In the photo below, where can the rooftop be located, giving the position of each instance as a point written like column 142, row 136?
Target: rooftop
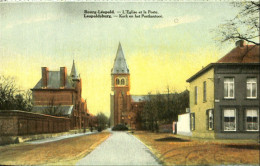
column 244, row 54
column 54, row 81
column 241, row 54
column 120, row 65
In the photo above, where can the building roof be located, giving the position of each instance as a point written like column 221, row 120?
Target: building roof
column 244, row 54
column 54, row 81
column 120, row 65
column 74, row 73
column 64, row 110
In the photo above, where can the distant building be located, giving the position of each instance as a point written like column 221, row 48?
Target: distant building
column 224, row 96
column 59, row 94
column 125, row 109
column 137, row 106
column 120, row 100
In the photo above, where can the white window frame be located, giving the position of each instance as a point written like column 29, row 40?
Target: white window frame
column 229, row 122
column 228, row 87
column 257, row 119
column 210, row 114
column 251, row 88
column 192, row 121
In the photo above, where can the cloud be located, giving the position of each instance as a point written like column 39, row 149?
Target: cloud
column 31, row 20
column 174, row 21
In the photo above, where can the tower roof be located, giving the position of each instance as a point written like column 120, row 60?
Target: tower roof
column 120, row 66
column 74, row 73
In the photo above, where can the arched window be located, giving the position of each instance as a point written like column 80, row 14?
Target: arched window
column 117, row 81
column 122, row 81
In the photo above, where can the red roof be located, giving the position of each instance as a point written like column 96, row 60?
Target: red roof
column 244, row 54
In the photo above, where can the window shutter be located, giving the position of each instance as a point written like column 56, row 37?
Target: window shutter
column 243, row 114
column 207, row 119
column 222, row 120
column 194, row 121
column 213, row 119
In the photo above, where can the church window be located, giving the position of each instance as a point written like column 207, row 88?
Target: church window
column 123, row 81
column 117, row 81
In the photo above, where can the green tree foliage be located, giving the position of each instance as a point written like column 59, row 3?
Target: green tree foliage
column 245, row 26
column 102, row 121
column 11, row 98
column 163, row 109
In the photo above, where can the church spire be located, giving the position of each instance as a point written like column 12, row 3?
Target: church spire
column 73, row 72
column 120, row 65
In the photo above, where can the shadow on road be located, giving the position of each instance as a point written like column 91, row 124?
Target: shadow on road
column 171, row 139
column 256, row 147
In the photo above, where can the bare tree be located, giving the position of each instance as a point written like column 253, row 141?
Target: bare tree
column 12, row 98
column 245, row 26
column 53, row 109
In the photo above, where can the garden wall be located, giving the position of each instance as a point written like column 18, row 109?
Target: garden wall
column 15, row 122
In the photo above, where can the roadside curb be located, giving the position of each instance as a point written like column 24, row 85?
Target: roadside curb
column 83, row 153
column 5, row 140
column 150, row 150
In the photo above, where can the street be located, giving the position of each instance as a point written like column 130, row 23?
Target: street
column 121, row 148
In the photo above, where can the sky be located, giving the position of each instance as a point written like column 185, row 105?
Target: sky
column 160, row 52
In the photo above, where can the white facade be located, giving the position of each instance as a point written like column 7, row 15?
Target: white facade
column 183, row 124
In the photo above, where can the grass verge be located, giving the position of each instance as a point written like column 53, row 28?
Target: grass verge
column 63, row 152
column 171, row 150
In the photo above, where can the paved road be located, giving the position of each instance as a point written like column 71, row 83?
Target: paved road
column 120, row 148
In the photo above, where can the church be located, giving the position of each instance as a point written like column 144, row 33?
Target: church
column 124, row 107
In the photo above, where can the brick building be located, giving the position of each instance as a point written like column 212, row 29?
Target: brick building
column 124, row 108
column 59, row 94
column 120, row 99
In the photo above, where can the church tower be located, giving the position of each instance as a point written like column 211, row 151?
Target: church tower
column 120, row 91
column 77, row 83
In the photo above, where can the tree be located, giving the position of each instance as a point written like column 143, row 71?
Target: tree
column 11, row 98
column 55, row 110
column 245, row 26
column 102, row 121
column 163, row 109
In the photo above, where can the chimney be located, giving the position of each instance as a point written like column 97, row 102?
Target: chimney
column 45, row 77
column 63, row 76
column 240, row 43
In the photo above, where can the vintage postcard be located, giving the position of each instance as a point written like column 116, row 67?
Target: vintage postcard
column 117, row 82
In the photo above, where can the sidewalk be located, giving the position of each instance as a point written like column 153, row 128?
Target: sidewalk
column 59, row 138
